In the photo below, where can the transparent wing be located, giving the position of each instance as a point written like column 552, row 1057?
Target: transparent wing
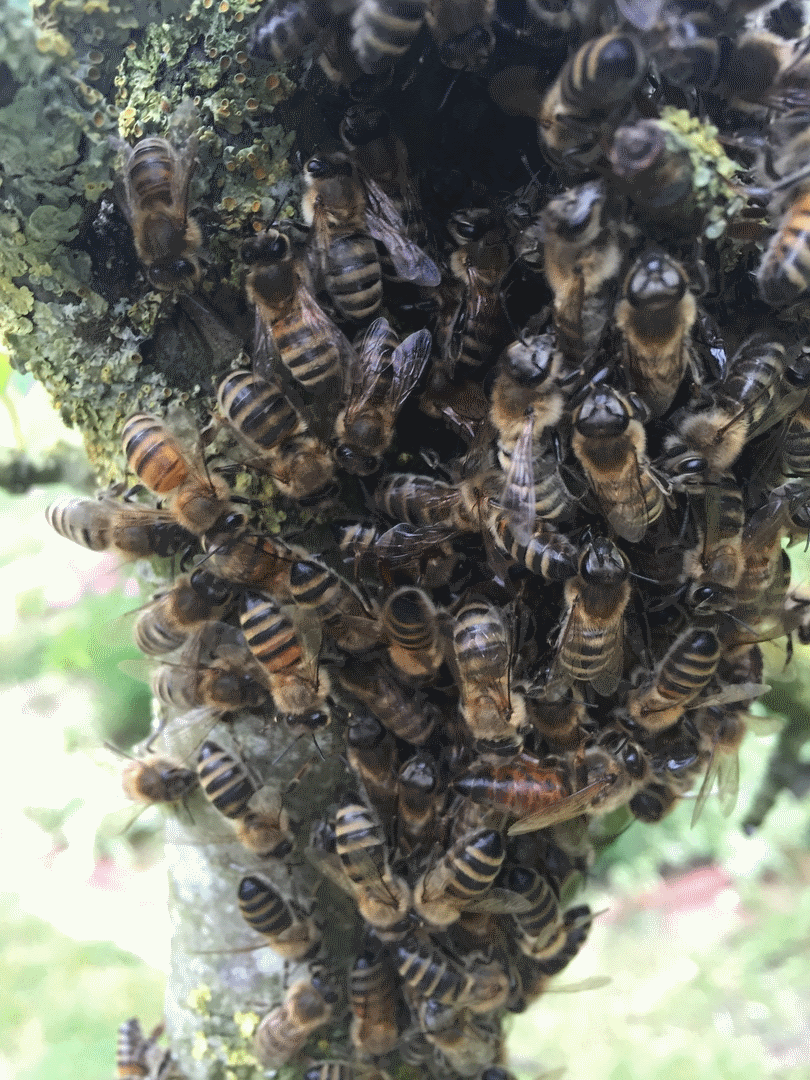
column 385, row 224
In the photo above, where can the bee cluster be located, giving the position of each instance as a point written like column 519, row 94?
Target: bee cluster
column 555, row 613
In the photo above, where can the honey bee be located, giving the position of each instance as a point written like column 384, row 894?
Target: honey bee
column 613, row 757
column 610, row 444
column 270, row 426
column 290, row 933
column 467, row 1044
column 381, row 160
column 334, row 205
column 722, row 729
column 463, row 33
column 107, row 524
column 139, row 1055
column 284, row 1031
column 475, row 327
column 461, row 879
column 225, row 780
column 200, row 502
column 685, row 669
column 215, row 673
column 536, row 973
column 657, row 176
column 372, row 756
column 796, row 443
column 422, row 501
column 384, row 30
column 481, row 647
column 288, row 658
column 156, row 779
column 258, row 562
column 588, row 98
column 529, row 377
column 289, row 322
column 655, row 316
column 175, row 613
column 540, row 929
column 590, row 644
column 287, row 31
column 582, row 259
column 374, row 1002
column 675, row 760
column 228, row 786
column 407, row 714
column 156, row 175
column 430, row 975
column 334, row 604
column 715, row 564
column 527, row 790
column 418, row 783
column 362, row 870
column 378, row 383
column 424, row 554
column 558, row 714
column 411, row 625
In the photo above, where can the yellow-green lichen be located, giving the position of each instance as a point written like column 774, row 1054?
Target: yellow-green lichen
column 199, row 1000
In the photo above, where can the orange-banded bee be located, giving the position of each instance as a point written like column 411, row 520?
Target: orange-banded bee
column 411, row 624
column 334, row 604
column 655, row 316
column 156, row 779
column 418, row 802
column 526, row 789
column 334, row 204
column 474, row 326
column 174, row 613
column 783, row 275
column 610, row 444
column 362, row 870
column 378, row 383
column 656, row 174
column 200, row 501
column 372, row 756
column 268, row 424
column 423, row 554
column 582, row 261
column 407, row 714
column 290, row 933
column 481, row 648
column 156, row 175
column 288, row 657
column 374, row 1003
column 590, row 645
column 284, row 1031
column 228, row 786
column 289, row 322
column 384, row 30
column 461, row 879
column 139, row 1055
column 588, row 97
column 685, row 669
column 257, row 562
column 462, row 31
column 107, row 524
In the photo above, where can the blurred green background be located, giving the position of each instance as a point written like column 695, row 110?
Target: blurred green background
column 704, row 932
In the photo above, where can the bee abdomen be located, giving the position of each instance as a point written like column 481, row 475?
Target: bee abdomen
column 224, row 781
column 84, row 521
column 309, row 359
column 263, row 908
column 354, row 276
column 258, row 409
column 384, row 30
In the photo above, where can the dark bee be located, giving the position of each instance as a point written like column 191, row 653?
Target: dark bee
column 404, row 712
column 462, row 31
column 139, row 1055
column 588, row 97
column 686, row 668
column 156, row 175
column 378, row 384
column 418, row 785
column 373, row 1000
column 384, row 30
column 333, row 604
column 460, row 878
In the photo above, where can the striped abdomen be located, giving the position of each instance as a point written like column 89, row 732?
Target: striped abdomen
column 784, row 273
column 353, row 275
column 153, row 453
column 384, row 30
column 224, row 780
column 258, row 410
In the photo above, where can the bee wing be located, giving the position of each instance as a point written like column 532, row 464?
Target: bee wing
column 328, row 864
column 627, row 513
column 706, row 787
column 385, row 224
column 518, row 495
column 728, row 782
column 311, row 635
column 409, row 362
column 185, row 164
column 563, row 810
column 266, row 357
column 734, row 693
column 594, row 982
column 607, row 679
column 368, row 364
column 500, row 902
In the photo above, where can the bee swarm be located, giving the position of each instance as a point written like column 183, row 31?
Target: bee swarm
column 529, row 388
